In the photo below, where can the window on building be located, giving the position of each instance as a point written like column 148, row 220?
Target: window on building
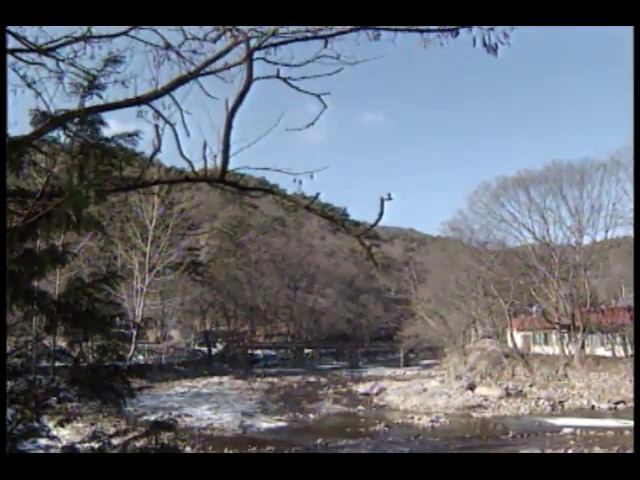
column 608, row 340
column 594, row 341
column 541, row 339
column 563, row 338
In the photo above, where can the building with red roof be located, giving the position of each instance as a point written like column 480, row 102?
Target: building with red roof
column 609, row 332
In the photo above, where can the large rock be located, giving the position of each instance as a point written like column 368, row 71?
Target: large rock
column 616, row 405
column 372, row 390
column 490, row 391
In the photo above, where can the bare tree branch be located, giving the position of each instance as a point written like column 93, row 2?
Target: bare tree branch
column 232, row 111
column 556, row 223
column 94, row 70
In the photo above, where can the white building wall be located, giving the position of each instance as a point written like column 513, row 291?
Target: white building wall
column 555, row 348
column 608, row 351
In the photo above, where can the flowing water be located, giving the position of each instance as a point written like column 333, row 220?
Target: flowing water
column 351, row 432
column 218, row 415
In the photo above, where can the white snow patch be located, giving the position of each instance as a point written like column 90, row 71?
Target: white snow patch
column 388, row 371
column 214, row 351
column 426, row 363
column 328, row 408
column 220, row 402
column 67, row 435
column 371, row 389
column 577, row 422
column 39, row 445
column 262, row 422
column 264, row 353
column 332, row 365
column 283, row 371
column 11, row 414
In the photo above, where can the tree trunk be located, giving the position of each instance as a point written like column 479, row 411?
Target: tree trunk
column 578, row 352
column 405, row 361
column 207, row 341
column 512, row 338
column 134, row 345
column 89, row 350
column 237, row 356
column 34, row 345
column 54, row 334
column 613, row 340
column 163, row 355
column 54, row 339
column 54, row 344
column 354, row 361
column 563, row 347
column 627, row 345
column 243, row 358
column 34, row 327
column 298, row 357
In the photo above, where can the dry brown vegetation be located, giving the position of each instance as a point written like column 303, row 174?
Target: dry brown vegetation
column 308, row 281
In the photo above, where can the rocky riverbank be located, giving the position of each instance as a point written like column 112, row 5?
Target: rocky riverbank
column 210, row 412
column 368, row 409
column 490, row 386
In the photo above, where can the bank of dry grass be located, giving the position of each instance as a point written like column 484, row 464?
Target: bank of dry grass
column 486, row 382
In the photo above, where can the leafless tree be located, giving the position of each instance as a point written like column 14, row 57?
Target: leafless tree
column 170, row 309
column 441, row 310
column 294, row 271
column 68, row 74
column 488, row 289
column 202, row 314
column 234, row 291
column 150, row 247
column 551, row 218
column 623, row 162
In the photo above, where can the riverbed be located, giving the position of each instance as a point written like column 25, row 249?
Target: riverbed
column 326, row 409
column 320, row 411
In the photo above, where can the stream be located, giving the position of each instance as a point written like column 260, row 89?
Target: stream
column 306, row 415
column 355, row 434
column 373, row 432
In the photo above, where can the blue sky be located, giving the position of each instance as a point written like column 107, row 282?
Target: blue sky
column 428, row 125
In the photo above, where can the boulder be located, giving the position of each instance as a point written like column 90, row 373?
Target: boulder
column 616, row 405
column 71, row 448
column 490, row 391
column 514, row 391
column 470, row 386
column 372, row 390
column 436, row 420
column 163, row 425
